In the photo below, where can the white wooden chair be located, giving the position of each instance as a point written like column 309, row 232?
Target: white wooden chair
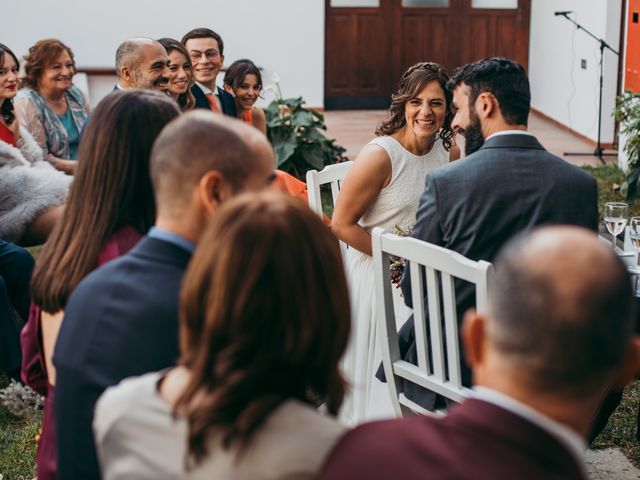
column 438, row 353
column 331, row 174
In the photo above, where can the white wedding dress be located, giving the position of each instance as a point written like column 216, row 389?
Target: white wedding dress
column 395, row 208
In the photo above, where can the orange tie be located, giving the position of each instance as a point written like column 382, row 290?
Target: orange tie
column 213, row 102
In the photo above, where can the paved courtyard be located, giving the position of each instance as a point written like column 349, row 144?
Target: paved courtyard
column 354, row 128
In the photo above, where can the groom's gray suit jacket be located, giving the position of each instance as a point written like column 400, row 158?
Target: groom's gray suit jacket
column 473, row 206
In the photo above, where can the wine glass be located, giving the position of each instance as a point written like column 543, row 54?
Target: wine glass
column 634, row 232
column 615, row 218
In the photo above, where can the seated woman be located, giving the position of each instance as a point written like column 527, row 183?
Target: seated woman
column 383, row 189
column 264, row 315
column 244, row 81
column 50, row 106
column 110, row 207
column 179, row 86
column 32, row 191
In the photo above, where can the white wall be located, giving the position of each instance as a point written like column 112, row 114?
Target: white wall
column 283, row 36
column 559, row 87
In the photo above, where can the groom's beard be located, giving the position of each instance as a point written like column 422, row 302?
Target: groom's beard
column 473, row 138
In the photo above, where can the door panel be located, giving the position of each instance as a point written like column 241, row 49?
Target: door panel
column 368, row 49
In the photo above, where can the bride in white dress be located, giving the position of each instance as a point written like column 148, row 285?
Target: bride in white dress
column 383, row 189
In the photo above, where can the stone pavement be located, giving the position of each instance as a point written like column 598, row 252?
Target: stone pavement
column 610, row 464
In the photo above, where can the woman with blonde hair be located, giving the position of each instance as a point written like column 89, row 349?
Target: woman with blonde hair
column 264, row 315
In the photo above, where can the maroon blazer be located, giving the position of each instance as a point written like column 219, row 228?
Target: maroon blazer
column 477, row 440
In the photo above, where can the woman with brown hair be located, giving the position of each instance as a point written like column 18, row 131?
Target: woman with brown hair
column 50, row 106
column 181, row 81
column 383, row 189
column 110, row 207
column 264, row 315
column 243, row 80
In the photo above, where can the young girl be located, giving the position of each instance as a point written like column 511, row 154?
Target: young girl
column 244, row 81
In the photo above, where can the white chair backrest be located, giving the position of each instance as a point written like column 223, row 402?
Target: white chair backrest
column 331, row 174
column 438, row 348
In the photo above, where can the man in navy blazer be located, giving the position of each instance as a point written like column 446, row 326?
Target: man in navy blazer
column 206, row 50
column 122, row 319
column 557, row 332
column 508, row 183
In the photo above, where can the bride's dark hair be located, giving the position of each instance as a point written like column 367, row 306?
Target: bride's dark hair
column 411, row 84
column 264, row 318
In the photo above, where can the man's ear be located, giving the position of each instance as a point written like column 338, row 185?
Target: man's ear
column 486, row 105
column 125, row 73
column 629, row 369
column 221, row 60
column 474, row 337
column 213, row 190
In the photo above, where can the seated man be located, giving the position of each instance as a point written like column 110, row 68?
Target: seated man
column 16, row 265
column 122, row 319
column 142, row 63
column 557, row 332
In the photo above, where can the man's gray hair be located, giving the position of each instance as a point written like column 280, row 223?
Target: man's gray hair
column 128, row 53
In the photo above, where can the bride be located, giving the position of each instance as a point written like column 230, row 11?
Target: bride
column 383, row 189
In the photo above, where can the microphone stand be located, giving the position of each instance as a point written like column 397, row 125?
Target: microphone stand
column 599, row 151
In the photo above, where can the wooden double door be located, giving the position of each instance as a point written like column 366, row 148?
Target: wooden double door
column 367, row 48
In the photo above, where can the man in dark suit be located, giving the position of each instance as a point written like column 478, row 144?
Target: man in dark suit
column 508, row 183
column 558, row 330
column 206, row 49
column 122, row 319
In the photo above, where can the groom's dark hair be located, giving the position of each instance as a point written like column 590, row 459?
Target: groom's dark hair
column 503, row 78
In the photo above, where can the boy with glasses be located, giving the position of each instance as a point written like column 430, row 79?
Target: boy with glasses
column 206, row 48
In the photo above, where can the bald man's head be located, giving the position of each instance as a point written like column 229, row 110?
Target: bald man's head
column 200, row 142
column 560, row 308
column 142, row 63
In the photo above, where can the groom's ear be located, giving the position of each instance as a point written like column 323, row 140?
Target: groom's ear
column 486, row 105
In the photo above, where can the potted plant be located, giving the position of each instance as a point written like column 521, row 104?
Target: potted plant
column 627, row 113
column 296, row 135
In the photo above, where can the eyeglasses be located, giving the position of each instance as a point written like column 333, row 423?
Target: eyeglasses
column 209, row 54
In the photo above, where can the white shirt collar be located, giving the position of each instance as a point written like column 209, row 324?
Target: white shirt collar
column 573, row 442
column 508, row 132
column 207, row 90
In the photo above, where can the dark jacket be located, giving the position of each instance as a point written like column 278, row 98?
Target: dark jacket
column 475, row 205
column 121, row 321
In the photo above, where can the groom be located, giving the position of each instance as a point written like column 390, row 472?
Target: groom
column 507, row 184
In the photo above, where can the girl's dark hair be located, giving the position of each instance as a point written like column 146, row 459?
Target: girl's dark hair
column 238, row 70
column 111, row 189
column 412, row 82
column 6, row 105
column 186, row 100
column 42, row 55
column 265, row 317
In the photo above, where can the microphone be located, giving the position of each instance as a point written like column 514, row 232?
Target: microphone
column 564, row 12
